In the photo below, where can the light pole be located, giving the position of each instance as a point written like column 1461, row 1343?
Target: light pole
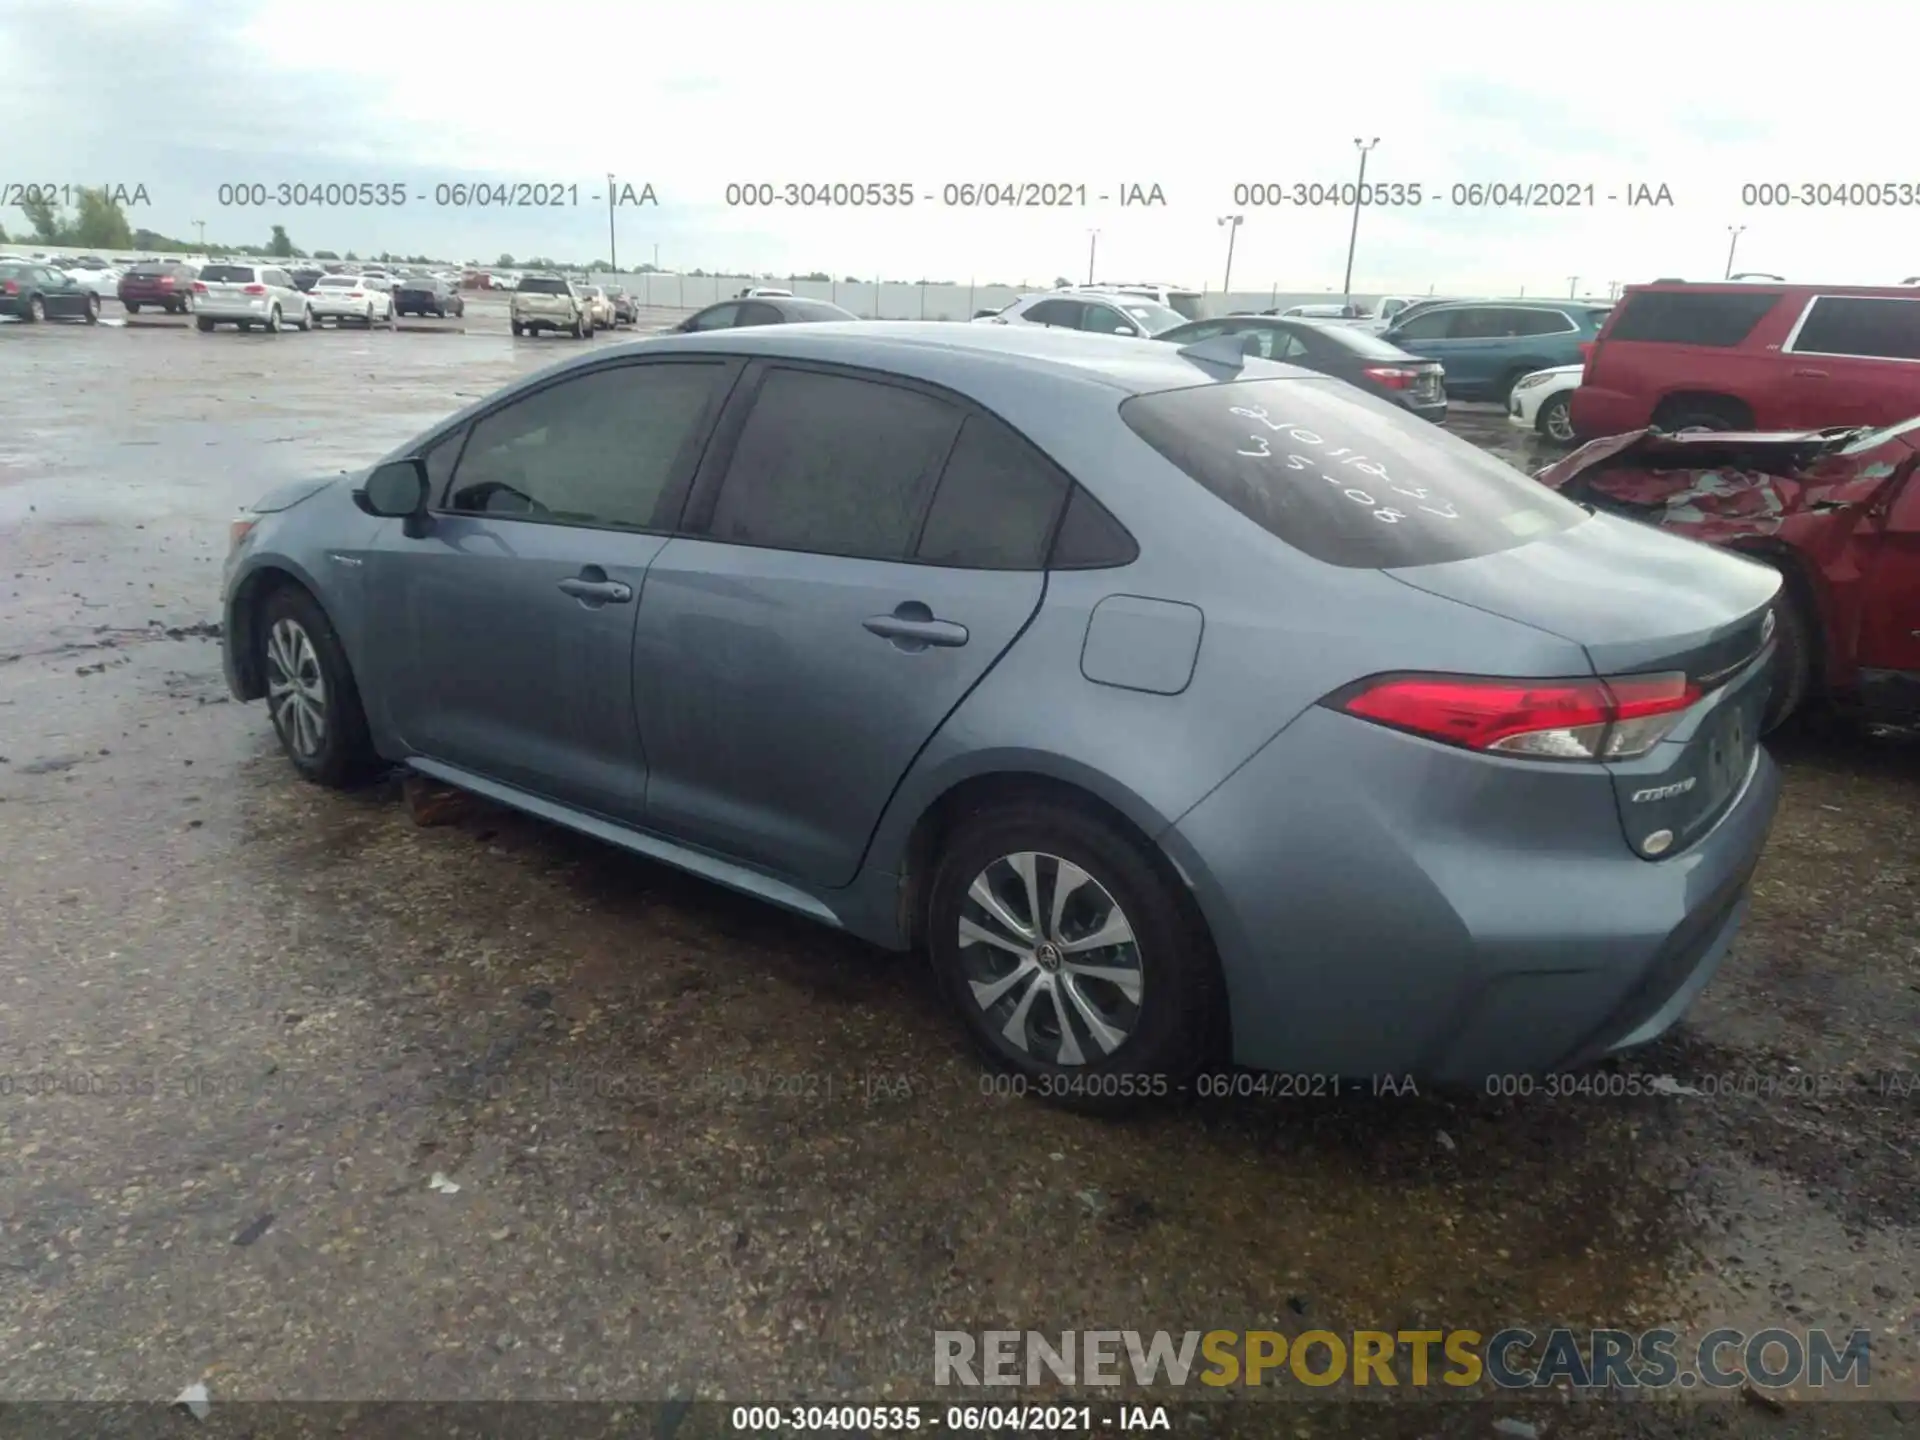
column 1732, row 245
column 1093, row 245
column 1353, row 236
column 613, row 247
column 1573, row 286
column 201, row 226
column 1232, row 222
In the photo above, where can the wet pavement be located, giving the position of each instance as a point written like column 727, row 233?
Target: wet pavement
column 705, row 1149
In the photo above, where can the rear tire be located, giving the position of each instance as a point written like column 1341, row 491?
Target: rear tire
column 1698, row 415
column 132, row 306
column 518, row 328
column 93, row 310
column 1154, row 999
column 1511, row 379
column 273, row 321
column 307, row 675
column 203, row 325
column 36, row 309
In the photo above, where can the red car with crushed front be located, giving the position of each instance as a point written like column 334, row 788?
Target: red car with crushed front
column 1836, row 511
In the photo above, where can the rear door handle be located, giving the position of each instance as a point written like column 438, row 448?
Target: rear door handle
column 1811, row 374
column 591, row 587
column 912, row 626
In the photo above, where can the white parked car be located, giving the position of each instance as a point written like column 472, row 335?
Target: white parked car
column 1102, row 313
column 99, row 279
column 1188, row 302
column 767, row 290
column 350, row 300
column 248, row 295
column 1540, row 401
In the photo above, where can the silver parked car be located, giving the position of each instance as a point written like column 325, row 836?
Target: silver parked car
column 1177, row 702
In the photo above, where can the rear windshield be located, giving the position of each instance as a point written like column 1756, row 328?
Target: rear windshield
column 817, row 310
column 1363, row 343
column 1152, row 316
column 151, row 270
column 8, row 268
column 1343, row 479
column 418, row 282
column 228, row 274
column 541, row 285
column 341, row 282
column 1674, row 317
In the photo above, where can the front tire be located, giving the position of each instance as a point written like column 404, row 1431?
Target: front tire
column 93, row 310
column 1555, row 420
column 36, row 309
column 1793, row 641
column 518, row 328
column 273, row 321
column 1073, row 960
column 311, row 695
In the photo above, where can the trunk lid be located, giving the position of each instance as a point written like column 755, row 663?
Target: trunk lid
column 1639, row 602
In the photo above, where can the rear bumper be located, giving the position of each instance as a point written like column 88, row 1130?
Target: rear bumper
column 1385, row 905
column 255, row 309
column 1434, row 410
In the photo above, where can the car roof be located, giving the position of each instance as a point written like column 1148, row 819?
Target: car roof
column 1528, row 304
column 1746, row 287
column 946, row 353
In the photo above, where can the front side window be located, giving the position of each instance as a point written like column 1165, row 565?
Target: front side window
column 715, row 317
column 1055, row 312
column 834, row 465
column 596, row 449
column 1428, row 325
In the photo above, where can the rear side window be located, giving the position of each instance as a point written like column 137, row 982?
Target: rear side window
column 997, row 501
column 1342, row 481
column 1672, row 317
column 1090, row 538
column 1860, row 325
column 1538, row 322
column 833, row 465
column 228, row 274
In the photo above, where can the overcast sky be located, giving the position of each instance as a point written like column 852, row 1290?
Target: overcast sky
column 1701, row 97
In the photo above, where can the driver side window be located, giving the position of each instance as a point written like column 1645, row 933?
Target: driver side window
column 598, row 449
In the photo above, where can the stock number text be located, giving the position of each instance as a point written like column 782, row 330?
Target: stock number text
column 1862, row 194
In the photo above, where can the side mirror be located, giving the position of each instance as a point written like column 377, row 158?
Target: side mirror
column 397, row 491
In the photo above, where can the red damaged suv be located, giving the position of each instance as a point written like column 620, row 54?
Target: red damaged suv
column 1836, row 511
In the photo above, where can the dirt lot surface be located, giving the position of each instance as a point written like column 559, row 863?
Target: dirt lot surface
column 706, row 1150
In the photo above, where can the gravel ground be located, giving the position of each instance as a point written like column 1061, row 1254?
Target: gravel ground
column 707, row 1150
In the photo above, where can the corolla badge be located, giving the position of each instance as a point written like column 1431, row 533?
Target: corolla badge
column 1663, row 792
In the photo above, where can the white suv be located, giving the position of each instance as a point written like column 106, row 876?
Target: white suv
column 1187, row 302
column 246, row 296
column 1100, row 312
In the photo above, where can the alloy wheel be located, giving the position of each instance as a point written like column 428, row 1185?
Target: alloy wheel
column 1050, row 958
column 1559, row 421
column 296, row 690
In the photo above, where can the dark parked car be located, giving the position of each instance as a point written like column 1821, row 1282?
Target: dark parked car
column 163, row 284
column 762, row 310
column 32, row 291
column 427, row 295
column 1341, row 351
column 625, row 311
column 1167, row 707
column 1488, row 345
column 1836, row 512
column 306, row 277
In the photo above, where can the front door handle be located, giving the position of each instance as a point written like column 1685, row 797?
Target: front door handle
column 912, row 626
column 591, row 587
column 1811, row 374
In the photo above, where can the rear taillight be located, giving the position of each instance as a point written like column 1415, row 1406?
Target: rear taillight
column 199, row 287
column 237, row 531
column 1394, row 377
column 253, row 290
column 166, row 282
column 356, row 295
column 11, row 287
column 1615, row 719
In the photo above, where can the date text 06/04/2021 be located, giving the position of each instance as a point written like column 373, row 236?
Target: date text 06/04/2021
column 63, row 195
column 455, row 194
column 1457, row 195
